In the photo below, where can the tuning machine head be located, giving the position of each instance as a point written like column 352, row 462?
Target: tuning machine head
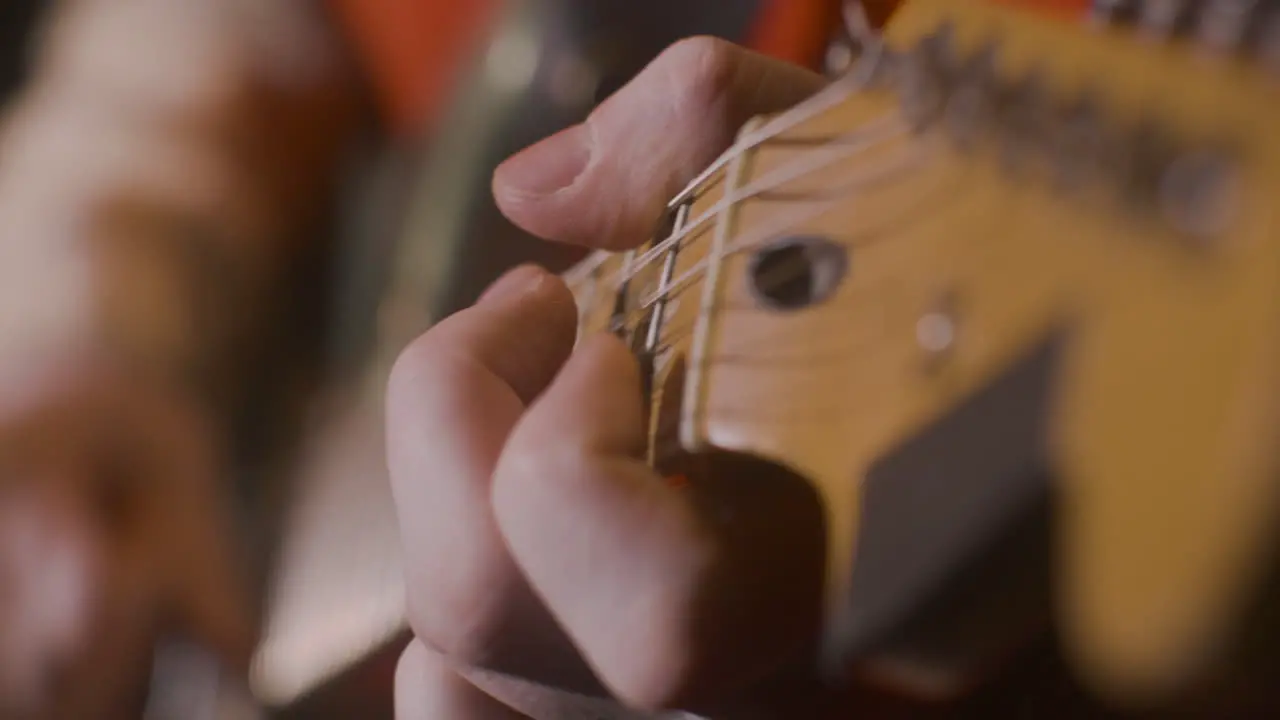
column 973, row 107
column 1112, row 12
column 925, row 77
column 1226, row 25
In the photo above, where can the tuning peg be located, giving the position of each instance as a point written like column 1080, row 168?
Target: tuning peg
column 1224, row 25
column 1025, row 116
column 1109, row 12
column 1083, row 145
column 972, row 107
column 924, row 76
column 1164, row 18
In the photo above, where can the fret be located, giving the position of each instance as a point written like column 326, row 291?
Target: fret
column 829, row 152
column 588, row 269
column 618, row 319
column 587, row 295
column 668, row 270
column 761, row 130
column 837, row 238
column 591, row 282
column 699, row 365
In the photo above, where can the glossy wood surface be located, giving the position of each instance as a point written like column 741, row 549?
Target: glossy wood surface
column 1161, row 427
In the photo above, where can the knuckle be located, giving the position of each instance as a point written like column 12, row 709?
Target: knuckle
column 455, row 621
column 411, row 365
column 408, row 394
column 412, row 665
column 531, row 458
column 416, row 682
column 417, row 359
column 703, row 68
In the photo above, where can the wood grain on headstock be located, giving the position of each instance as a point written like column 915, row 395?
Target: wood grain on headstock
column 1147, row 258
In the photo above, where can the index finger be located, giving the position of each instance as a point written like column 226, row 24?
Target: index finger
column 604, row 183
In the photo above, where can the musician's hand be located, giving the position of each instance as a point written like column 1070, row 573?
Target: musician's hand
column 111, row 529
column 604, row 183
column 537, row 544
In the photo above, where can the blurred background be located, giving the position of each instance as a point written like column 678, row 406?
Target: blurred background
column 437, row 93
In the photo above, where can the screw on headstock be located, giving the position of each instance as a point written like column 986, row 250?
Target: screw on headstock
column 937, row 331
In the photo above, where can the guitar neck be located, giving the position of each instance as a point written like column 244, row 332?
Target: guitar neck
column 1054, row 209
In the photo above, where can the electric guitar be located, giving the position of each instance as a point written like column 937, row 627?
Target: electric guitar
column 1007, row 294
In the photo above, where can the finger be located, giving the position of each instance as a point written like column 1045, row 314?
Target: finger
column 452, row 399
column 676, row 598
column 604, row 182
column 427, row 688
column 137, row 536
column 48, row 551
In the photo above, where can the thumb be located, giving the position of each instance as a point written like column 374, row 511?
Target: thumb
column 603, row 183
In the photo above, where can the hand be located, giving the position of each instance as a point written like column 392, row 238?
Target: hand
column 112, row 529
column 538, row 546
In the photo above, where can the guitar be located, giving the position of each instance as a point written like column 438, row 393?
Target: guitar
column 1007, row 294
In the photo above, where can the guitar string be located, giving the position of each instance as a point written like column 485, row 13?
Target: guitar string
column 865, row 138
column 860, row 76
column 826, row 411
column 890, row 228
column 807, row 165
column 917, row 157
column 866, row 237
column 844, row 87
column 886, row 318
column 859, row 140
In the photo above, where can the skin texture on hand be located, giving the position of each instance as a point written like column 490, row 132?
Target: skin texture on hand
column 538, row 545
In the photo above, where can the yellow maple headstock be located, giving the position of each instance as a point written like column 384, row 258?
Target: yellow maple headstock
column 1074, row 244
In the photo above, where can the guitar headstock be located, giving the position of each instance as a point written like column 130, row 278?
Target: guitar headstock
column 1016, row 260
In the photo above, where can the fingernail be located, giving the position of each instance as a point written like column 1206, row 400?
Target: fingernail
column 548, row 166
column 520, row 281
